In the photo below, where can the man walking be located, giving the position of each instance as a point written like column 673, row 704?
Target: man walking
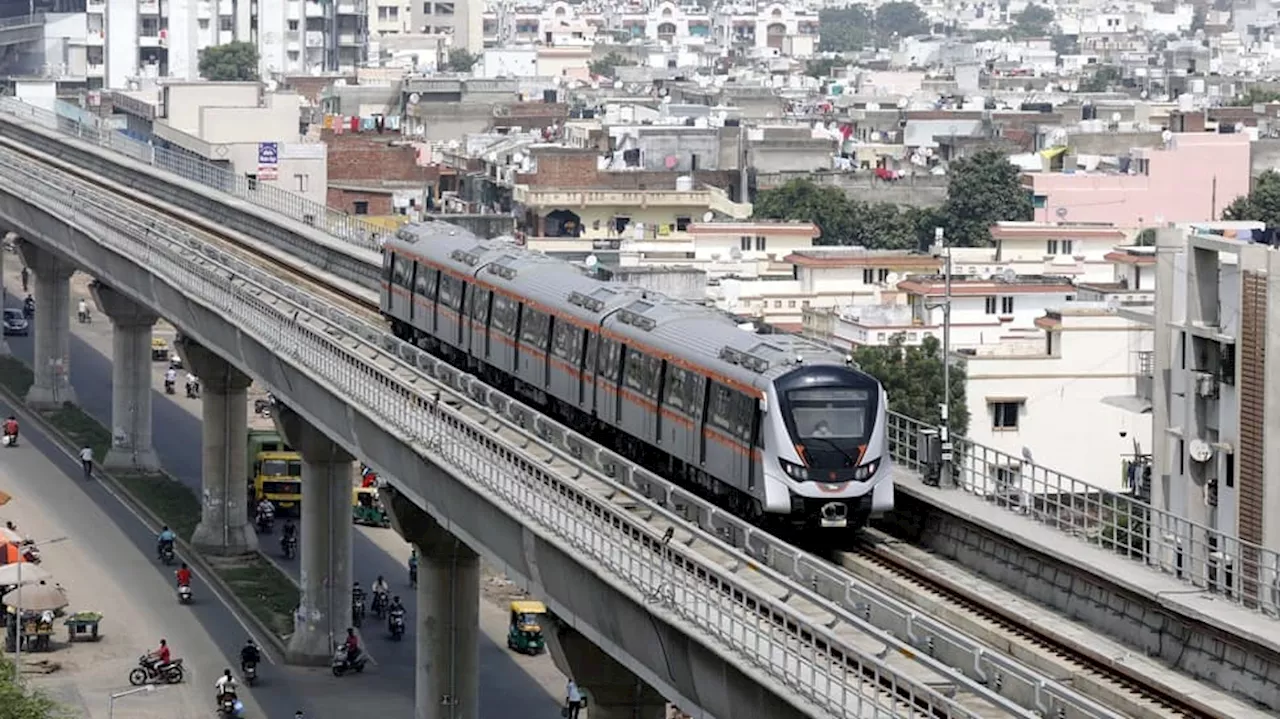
column 86, row 461
column 573, row 700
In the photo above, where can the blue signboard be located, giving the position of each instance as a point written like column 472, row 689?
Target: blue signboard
column 268, row 153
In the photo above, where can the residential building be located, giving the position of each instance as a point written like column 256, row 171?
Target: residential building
column 777, row 27
column 1217, row 447
column 1080, row 252
column 461, row 21
column 1191, row 178
column 234, row 124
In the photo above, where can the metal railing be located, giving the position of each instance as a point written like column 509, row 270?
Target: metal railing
column 201, row 171
column 808, row 659
column 856, row 602
column 1240, row 572
column 21, row 21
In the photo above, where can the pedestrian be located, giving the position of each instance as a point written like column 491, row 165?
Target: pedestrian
column 26, row 280
column 86, row 461
column 572, row 700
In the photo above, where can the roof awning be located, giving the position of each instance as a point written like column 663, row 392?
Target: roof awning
column 1052, row 152
column 1006, row 400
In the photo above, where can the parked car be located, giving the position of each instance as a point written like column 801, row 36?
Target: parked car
column 15, row 323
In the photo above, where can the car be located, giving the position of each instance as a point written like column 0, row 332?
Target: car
column 15, row 323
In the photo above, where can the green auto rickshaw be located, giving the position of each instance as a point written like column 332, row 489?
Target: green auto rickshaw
column 367, row 509
column 525, row 633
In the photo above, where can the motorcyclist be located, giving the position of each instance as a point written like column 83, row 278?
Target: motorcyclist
column 225, row 686
column 184, row 575
column 29, row 306
column 193, row 385
column 165, row 541
column 266, row 511
column 170, row 377
column 11, row 429
column 160, row 658
column 380, row 591
column 352, row 646
column 250, row 655
column 395, row 611
column 82, row 311
column 288, row 533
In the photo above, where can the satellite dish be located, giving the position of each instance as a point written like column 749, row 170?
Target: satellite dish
column 708, row 216
column 1061, row 212
column 1115, row 117
column 1009, row 274
column 1200, row 450
column 735, row 253
column 591, row 262
column 518, row 158
column 414, row 98
column 1166, row 137
column 892, row 278
column 1113, row 303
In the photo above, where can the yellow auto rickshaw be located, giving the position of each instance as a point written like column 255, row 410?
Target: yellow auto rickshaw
column 159, row 349
column 525, row 633
column 367, row 509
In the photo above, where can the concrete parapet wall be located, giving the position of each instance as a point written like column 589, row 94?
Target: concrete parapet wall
column 916, row 191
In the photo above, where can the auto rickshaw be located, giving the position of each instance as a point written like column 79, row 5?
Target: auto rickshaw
column 159, row 349
column 367, row 509
column 525, row 634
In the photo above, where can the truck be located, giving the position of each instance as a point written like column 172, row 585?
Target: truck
column 275, row 471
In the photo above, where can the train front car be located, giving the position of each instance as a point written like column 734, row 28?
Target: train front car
column 826, row 445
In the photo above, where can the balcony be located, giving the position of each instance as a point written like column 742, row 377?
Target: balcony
column 1144, row 380
column 94, row 38
column 149, row 7
column 346, row 39
column 226, row 8
column 315, row 9
column 95, row 7
column 151, row 38
column 315, row 39
column 96, row 69
column 350, row 8
column 528, row 197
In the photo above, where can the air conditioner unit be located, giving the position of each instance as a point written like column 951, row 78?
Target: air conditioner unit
column 1206, row 385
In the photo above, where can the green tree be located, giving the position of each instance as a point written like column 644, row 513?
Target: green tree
column 1102, row 79
column 900, row 19
column 982, row 190
column 840, row 219
column 235, row 61
column 1255, row 96
column 821, row 67
column 607, row 66
column 847, row 29
column 1065, row 44
column 913, row 378
column 1262, row 204
column 1033, row 21
column 19, row 703
column 460, row 60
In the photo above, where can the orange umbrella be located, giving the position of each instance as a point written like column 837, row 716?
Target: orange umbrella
column 10, row 552
column 4, row 499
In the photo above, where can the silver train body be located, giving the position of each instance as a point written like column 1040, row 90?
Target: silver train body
column 776, row 427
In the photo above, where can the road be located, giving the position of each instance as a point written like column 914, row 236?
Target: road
column 105, row 566
column 531, row 687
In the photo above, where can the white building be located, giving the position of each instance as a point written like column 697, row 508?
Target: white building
column 780, row 27
column 1079, row 252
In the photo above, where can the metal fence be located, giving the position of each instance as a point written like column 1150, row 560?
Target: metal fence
column 201, row 171
column 1244, row 573
column 729, row 613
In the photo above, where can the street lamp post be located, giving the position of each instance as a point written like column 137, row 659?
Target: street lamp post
column 111, row 705
column 17, row 611
column 940, row 235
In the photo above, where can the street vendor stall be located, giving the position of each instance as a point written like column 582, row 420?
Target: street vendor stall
column 33, row 607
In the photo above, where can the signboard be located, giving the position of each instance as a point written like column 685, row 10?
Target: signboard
column 268, row 160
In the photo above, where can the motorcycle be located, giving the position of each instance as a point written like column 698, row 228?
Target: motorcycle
column 357, row 611
column 265, row 522
column 11, row 438
column 230, row 706
column 168, row 386
column 379, row 604
column 250, row 673
column 193, row 390
column 148, row 672
column 30, row 553
column 84, row 317
column 166, row 553
column 395, row 624
column 341, row 666
column 289, row 547
column 184, row 594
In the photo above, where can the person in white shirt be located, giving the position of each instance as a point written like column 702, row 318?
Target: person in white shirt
column 86, row 461
column 170, row 377
column 573, row 699
column 82, row 311
column 225, row 685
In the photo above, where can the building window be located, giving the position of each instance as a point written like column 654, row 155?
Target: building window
column 302, row 183
column 682, row 224
column 204, row 23
column 804, row 303
column 226, row 23
column 990, row 307
column 791, row 303
column 882, row 275
column 1006, row 305
column 293, row 26
column 744, row 243
column 1058, row 247
column 777, row 304
column 388, row 13
column 760, row 243
column 426, row 8
column 1004, row 416
column 1039, row 202
column 868, row 276
column 361, row 207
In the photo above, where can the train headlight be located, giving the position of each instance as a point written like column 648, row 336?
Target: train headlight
column 795, row 471
column 866, row 471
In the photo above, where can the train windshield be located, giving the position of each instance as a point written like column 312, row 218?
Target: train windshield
column 835, row 414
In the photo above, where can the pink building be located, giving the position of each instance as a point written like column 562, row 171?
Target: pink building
column 1191, row 180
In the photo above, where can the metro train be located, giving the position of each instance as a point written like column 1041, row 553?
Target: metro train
column 780, row 430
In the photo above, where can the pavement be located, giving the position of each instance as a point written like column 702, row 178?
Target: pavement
column 102, row 565
column 531, row 687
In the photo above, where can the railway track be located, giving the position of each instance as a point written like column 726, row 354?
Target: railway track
column 1090, row 676
column 906, row 571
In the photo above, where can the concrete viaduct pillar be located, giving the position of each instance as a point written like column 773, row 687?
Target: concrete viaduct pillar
column 224, row 519
column 51, row 361
column 448, row 616
column 9, row 238
column 325, row 545
column 131, row 445
column 612, row 690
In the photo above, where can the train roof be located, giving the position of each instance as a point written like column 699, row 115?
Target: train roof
column 696, row 333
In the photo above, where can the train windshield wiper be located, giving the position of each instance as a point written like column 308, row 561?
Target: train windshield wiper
column 853, row 462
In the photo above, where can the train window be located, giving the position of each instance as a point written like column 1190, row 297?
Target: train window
column 674, row 394
column 695, row 387
column 504, row 315
column 450, row 287
column 402, row 271
column 566, row 342
column 590, row 360
column 641, row 373
column 534, row 327
column 387, row 258
column 479, row 304
column 732, row 411
column 422, row 281
column 610, row 358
